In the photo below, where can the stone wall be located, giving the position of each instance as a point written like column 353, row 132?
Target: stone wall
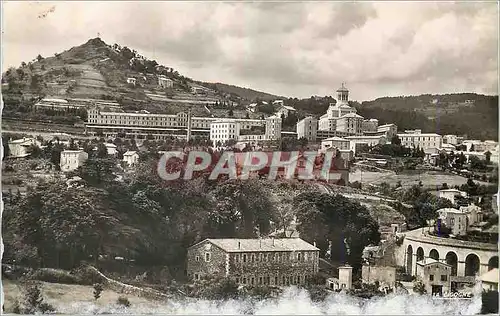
column 130, row 289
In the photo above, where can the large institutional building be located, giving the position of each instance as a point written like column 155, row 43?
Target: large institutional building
column 344, row 125
column 270, row 261
column 180, row 125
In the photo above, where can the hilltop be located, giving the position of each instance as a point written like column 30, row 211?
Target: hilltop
column 245, row 93
column 470, row 114
column 98, row 70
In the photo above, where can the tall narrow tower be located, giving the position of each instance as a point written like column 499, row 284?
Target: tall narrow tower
column 342, row 95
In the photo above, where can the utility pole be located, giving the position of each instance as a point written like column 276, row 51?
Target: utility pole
column 188, row 135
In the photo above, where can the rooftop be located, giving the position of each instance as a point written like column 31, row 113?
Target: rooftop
column 129, row 153
column 427, row 261
column 451, row 210
column 336, row 138
column 267, row 244
column 490, row 276
column 351, row 115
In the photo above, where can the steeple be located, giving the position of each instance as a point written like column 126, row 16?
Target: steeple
column 342, row 94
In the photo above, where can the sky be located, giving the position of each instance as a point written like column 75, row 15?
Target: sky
column 292, row 49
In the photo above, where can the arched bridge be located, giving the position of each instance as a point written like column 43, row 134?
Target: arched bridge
column 465, row 257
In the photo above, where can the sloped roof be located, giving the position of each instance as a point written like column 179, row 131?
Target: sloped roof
column 427, row 261
column 336, row 138
column 130, row 153
column 490, row 276
column 262, row 245
column 351, row 115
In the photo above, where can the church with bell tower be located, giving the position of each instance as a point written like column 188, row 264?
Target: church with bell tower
column 340, row 116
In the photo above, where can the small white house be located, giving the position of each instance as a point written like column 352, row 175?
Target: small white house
column 131, row 158
column 335, row 142
column 252, row 107
column 72, row 159
column 285, row 111
column 451, row 194
column 131, row 81
column 20, row 147
column 165, row 82
column 110, row 148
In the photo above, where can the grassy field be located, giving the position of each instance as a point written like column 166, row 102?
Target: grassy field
column 430, row 179
column 60, row 295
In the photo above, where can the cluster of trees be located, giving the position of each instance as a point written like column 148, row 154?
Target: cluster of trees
column 340, row 227
column 395, row 149
column 144, row 218
column 424, row 206
column 477, row 121
column 313, row 105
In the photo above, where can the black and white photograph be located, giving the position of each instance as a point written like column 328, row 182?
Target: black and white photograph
column 249, row 157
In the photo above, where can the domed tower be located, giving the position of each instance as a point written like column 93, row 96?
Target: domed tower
column 342, row 95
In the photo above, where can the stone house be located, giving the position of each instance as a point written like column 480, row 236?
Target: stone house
column 270, row 261
column 454, row 219
column 435, row 275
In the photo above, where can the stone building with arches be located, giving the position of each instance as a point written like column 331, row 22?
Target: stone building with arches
column 467, row 259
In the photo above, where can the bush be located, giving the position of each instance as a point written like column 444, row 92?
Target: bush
column 316, row 279
column 46, row 308
column 55, row 276
column 97, row 291
column 419, row 287
column 123, row 301
column 33, row 300
column 88, row 276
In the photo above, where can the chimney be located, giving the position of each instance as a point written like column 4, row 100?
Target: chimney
column 260, row 243
column 239, row 244
column 314, row 244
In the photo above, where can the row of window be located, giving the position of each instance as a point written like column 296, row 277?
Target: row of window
column 444, row 277
column 420, row 138
column 275, row 257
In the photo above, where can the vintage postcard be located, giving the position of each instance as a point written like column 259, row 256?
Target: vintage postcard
column 250, row 157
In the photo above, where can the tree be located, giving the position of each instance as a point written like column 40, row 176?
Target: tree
column 395, row 140
column 102, row 151
column 487, row 156
column 39, row 58
column 347, row 225
column 35, row 151
column 97, row 172
column 97, row 290
column 6, row 149
column 243, row 210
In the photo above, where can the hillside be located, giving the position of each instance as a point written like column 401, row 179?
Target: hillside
column 244, row 93
column 100, row 71
column 473, row 115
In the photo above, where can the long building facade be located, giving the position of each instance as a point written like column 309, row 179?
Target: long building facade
column 159, row 126
column 270, row 261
